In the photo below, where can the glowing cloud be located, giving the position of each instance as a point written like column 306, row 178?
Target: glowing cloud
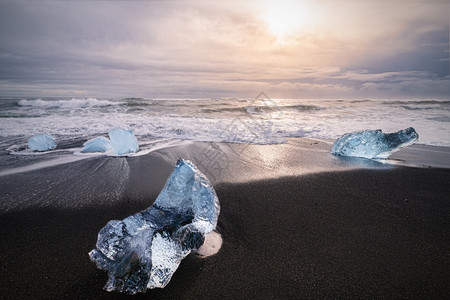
column 286, row 17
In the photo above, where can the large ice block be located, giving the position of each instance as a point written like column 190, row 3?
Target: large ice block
column 373, row 143
column 98, row 144
column 123, row 141
column 41, row 142
column 144, row 250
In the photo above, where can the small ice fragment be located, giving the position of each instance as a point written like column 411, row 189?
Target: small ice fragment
column 212, row 244
column 144, row 250
column 41, row 142
column 98, row 144
column 123, row 141
column 373, row 143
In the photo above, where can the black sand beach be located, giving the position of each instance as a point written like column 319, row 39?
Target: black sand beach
column 296, row 222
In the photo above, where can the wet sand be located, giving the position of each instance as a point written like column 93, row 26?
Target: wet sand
column 296, row 222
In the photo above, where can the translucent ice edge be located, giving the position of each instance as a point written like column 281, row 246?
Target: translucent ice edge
column 123, row 141
column 211, row 245
column 144, row 250
column 41, row 142
column 373, row 143
column 145, row 148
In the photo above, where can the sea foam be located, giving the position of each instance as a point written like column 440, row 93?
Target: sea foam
column 72, row 103
column 223, row 120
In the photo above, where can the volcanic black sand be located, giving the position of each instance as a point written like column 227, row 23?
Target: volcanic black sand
column 359, row 229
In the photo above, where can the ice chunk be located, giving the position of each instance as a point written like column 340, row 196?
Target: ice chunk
column 98, row 144
column 144, row 250
column 41, row 142
column 373, row 143
column 123, row 141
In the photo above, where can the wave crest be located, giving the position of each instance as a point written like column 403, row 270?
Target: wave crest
column 72, row 103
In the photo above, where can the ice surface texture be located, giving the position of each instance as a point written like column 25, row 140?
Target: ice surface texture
column 143, row 251
column 123, row 141
column 373, row 143
column 41, row 142
column 98, row 144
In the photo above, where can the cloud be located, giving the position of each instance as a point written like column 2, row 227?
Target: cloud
column 212, row 49
column 415, row 88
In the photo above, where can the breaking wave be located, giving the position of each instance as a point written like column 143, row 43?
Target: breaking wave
column 421, row 105
column 72, row 103
column 222, row 120
column 263, row 109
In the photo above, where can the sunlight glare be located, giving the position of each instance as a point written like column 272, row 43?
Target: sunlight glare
column 286, row 17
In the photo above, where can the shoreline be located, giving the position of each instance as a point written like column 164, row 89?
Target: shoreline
column 257, row 161
column 309, row 224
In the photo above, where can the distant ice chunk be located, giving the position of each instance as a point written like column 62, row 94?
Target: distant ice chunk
column 123, row 141
column 373, row 143
column 144, row 250
column 41, row 142
column 98, row 144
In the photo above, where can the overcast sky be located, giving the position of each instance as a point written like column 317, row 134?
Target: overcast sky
column 183, row 49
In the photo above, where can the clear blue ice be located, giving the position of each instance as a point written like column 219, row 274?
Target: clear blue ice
column 123, row 141
column 144, row 250
column 41, row 142
column 373, row 143
column 98, row 144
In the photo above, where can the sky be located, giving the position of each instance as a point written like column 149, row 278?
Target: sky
column 329, row 49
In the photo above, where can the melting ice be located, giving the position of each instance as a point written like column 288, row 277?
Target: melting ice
column 373, row 143
column 144, row 250
column 123, row 141
column 41, row 142
column 98, row 144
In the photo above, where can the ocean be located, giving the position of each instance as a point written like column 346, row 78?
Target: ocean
column 159, row 122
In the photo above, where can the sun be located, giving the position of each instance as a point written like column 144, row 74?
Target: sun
column 286, row 17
